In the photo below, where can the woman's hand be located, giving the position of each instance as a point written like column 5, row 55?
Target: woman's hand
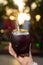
column 23, row 60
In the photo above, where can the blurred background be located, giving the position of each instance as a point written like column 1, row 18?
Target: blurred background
column 9, row 10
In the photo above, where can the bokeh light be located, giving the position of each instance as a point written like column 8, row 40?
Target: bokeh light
column 2, row 31
column 38, row 17
column 8, row 11
column 20, row 4
column 1, row 1
column 12, row 18
column 22, row 17
column 37, row 45
column 33, row 5
column 4, row 2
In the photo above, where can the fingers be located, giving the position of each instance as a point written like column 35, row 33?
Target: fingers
column 11, row 51
column 23, row 60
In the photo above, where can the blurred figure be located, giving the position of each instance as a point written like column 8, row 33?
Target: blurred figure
column 9, row 24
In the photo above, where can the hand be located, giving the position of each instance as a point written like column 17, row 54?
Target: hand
column 22, row 60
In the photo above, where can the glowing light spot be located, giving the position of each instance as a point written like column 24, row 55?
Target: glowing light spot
column 33, row 6
column 22, row 17
column 12, row 17
column 37, row 45
column 3, row 2
column 2, row 31
column 20, row 4
column 38, row 17
column 8, row 11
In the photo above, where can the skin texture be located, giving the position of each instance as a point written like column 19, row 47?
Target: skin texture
column 22, row 60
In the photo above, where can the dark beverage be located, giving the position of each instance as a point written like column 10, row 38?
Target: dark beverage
column 20, row 42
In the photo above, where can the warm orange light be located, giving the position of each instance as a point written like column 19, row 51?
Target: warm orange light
column 2, row 31
column 12, row 17
column 3, row 2
column 8, row 11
